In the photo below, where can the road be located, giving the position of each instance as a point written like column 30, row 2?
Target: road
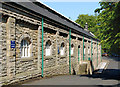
column 111, row 76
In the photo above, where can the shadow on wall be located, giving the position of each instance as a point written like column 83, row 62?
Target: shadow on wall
column 106, row 75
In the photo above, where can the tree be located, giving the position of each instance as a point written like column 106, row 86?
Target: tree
column 91, row 20
column 109, row 26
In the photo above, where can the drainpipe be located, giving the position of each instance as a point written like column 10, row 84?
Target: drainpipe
column 83, row 47
column 70, row 51
column 78, row 54
column 97, row 53
column 91, row 49
column 42, row 48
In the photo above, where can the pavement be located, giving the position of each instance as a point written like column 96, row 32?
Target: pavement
column 110, row 76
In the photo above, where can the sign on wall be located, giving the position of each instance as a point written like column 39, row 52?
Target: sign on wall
column 12, row 44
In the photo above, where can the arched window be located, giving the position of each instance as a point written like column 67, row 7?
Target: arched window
column 72, row 49
column 84, row 50
column 25, row 47
column 79, row 51
column 62, row 49
column 48, row 48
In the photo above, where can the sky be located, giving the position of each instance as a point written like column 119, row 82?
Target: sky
column 74, row 9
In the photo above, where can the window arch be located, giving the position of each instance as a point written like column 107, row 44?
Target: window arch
column 48, row 48
column 25, row 47
column 62, row 49
column 72, row 49
column 79, row 50
column 84, row 50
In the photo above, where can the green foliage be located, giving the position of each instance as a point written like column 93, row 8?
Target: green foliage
column 91, row 20
column 105, row 26
column 109, row 26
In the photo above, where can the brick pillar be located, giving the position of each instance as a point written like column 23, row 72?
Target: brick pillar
column 11, row 56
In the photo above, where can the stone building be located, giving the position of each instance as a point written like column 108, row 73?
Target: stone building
column 36, row 41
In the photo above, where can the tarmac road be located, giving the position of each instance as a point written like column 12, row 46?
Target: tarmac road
column 111, row 76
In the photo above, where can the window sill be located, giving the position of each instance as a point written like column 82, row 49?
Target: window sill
column 26, row 58
column 62, row 56
column 47, row 57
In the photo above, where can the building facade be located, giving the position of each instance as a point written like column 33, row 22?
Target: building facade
column 37, row 41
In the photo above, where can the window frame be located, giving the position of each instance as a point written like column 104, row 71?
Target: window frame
column 72, row 49
column 62, row 48
column 50, row 48
column 26, row 47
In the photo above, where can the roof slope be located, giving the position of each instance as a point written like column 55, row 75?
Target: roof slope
column 48, row 12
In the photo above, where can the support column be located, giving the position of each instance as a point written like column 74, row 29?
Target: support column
column 83, row 48
column 91, row 50
column 70, row 51
column 86, row 50
column 42, row 48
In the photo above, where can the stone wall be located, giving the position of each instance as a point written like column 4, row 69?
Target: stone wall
column 3, row 62
column 16, row 68
column 1, row 50
column 26, row 30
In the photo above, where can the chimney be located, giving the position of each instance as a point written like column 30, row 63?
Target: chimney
column 86, row 26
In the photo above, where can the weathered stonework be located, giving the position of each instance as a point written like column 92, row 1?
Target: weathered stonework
column 15, row 68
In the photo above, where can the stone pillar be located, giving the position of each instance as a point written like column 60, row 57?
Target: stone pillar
column 68, row 49
column 56, row 46
column 11, row 54
column 76, row 50
column 90, row 48
column 86, row 50
column 99, row 53
column 3, row 69
column 39, row 46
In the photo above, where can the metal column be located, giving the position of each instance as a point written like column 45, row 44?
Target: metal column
column 70, row 51
column 91, row 50
column 78, row 54
column 42, row 48
column 97, row 53
column 83, row 47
